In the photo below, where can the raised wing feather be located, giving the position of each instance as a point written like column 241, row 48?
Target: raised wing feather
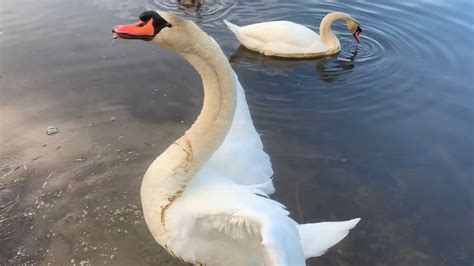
column 227, row 220
column 241, row 156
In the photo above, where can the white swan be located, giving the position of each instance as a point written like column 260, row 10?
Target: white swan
column 205, row 198
column 291, row 40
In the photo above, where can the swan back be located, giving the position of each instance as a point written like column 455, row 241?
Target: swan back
column 278, row 38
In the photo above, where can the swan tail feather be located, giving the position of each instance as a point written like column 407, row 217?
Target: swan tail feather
column 317, row 238
column 232, row 27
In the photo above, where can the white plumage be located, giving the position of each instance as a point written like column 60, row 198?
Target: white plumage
column 292, row 40
column 205, row 198
column 222, row 211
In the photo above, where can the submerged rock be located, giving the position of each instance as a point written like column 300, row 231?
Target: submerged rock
column 52, row 130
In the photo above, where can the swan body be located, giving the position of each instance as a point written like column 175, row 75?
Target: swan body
column 205, row 198
column 292, row 40
column 191, row 3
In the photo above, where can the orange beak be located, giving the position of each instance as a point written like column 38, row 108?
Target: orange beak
column 137, row 30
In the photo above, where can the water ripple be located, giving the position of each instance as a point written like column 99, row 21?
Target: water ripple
column 380, row 79
column 212, row 10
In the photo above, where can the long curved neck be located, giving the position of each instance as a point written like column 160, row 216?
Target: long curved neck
column 213, row 123
column 325, row 32
column 173, row 170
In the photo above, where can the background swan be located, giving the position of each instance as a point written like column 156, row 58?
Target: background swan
column 191, row 3
column 291, row 40
column 205, row 198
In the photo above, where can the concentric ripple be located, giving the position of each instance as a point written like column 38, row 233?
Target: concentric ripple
column 212, row 10
column 381, row 79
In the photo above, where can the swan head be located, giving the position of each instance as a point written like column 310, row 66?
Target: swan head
column 163, row 28
column 354, row 27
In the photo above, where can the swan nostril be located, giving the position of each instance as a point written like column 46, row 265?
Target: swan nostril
column 114, row 34
column 114, row 28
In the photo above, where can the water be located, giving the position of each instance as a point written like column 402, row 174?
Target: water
column 383, row 130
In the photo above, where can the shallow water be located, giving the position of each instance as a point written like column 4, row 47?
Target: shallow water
column 382, row 131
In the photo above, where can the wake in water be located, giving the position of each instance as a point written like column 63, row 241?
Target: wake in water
column 195, row 10
column 199, row 11
column 191, row 3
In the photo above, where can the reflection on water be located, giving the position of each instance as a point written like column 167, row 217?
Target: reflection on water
column 383, row 130
column 329, row 68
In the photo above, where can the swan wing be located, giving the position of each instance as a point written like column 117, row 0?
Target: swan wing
column 243, row 225
column 241, row 157
column 278, row 37
column 216, row 222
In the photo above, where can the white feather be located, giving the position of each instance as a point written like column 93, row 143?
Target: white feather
column 291, row 40
column 221, row 216
column 215, row 210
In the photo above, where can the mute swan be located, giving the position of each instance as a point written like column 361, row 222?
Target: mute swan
column 291, row 40
column 205, row 198
column 191, row 3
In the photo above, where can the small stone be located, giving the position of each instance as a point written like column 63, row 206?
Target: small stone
column 48, row 236
column 52, row 130
column 112, row 257
column 72, row 261
column 113, row 119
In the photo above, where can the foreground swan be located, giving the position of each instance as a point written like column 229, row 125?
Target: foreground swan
column 291, row 40
column 204, row 198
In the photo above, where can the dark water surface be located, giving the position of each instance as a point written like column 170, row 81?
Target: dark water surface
column 382, row 131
